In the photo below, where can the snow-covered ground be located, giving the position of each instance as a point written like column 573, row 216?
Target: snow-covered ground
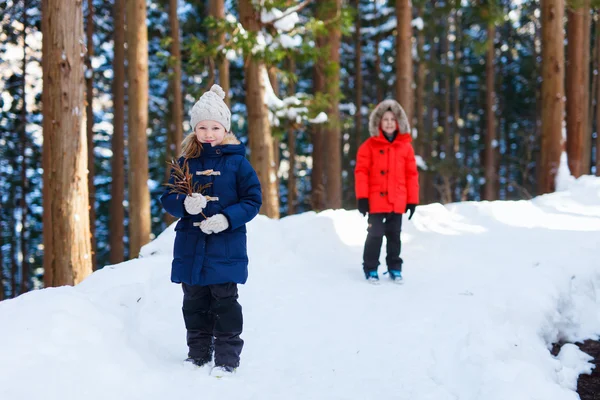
column 489, row 286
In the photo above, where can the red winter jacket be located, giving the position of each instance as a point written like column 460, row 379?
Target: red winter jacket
column 386, row 173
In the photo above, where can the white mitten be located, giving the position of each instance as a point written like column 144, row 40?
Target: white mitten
column 215, row 224
column 195, row 203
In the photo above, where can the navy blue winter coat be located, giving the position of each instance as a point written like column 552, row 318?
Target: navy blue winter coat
column 200, row 259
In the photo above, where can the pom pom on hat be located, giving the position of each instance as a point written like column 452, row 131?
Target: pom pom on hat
column 218, row 90
column 211, row 106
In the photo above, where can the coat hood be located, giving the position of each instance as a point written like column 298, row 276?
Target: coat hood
column 377, row 114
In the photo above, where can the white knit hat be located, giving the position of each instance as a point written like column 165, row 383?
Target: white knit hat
column 211, row 107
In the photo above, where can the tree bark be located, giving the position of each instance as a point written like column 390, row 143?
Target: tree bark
column 598, row 98
column 490, row 191
column 291, row 142
column 89, row 117
column 358, row 80
column 117, row 189
column 587, row 95
column 552, row 92
column 420, row 106
column 67, row 247
column 13, row 247
column 575, row 91
column 404, row 59
column 177, row 106
column 330, row 10
column 276, row 140
column 358, row 90
column 378, row 86
column 24, row 185
column 317, row 176
column 259, row 128
column 217, row 10
column 139, row 195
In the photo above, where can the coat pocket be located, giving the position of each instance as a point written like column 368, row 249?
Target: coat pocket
column 236, row 246
column 186, row 244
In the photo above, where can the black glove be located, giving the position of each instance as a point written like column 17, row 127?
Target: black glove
column 411, row 208
column 363, row 206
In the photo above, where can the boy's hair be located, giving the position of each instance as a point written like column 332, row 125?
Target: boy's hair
column 191, row 147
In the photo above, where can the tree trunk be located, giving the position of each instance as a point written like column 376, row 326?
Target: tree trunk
column 490, row 191
column 276, row 141
column 358, row 89
column 404, row 59
column 13, row 248
column 378, row 86
column 67, row 247
column 598, row 98
column 291, row 142
column 259, row 129
column 586, row 164
column 24, row 185
column 89, row 117
column 317, row 177
column 175, row 134
column 420, row 106
column 139, row 195
column 116, row 221
column 330, row 10
column 217, row 10
column 3, row 279
column 552, row 92
column 575, row 91
column 177, row 110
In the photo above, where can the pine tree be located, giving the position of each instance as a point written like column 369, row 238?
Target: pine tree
column 137, row 57
column 552, row 92
column 117, row 187
column 67, row 248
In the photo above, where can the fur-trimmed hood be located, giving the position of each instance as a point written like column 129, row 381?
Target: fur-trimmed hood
column 230, row 139
column 377, row 114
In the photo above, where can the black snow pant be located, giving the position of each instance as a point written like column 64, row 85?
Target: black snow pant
column 213, row 319
column 380, row 225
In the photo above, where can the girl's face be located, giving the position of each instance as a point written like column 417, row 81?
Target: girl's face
column 210, row 132
column 388, row 123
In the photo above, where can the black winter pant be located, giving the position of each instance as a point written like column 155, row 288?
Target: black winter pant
column 380, row 225
column 213, row 319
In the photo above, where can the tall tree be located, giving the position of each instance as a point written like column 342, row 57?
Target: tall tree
column 330, row 12
column 117, row 188
column 358, row 80
column 404, row 59
column 137, row 57
column 552, row 92
column 217, row 10
column 177, row 105
column 490, row 191
column 575, row 88
column 259, row 128
column 24, row 185
column 291, row 144
column 598, row 97
column 587, row 95
column 67, row 247
column 420, row 105
column 89, row 116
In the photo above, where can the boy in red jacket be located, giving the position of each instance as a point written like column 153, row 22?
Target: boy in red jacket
column 387, row 186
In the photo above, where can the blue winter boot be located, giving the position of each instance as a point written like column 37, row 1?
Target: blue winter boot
column 395, row 275
column 372, row 277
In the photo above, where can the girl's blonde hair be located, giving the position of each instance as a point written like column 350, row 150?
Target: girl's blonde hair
column 191, row 147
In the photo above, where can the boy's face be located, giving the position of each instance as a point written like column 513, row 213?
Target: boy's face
column 210, row 132
column 388, row 123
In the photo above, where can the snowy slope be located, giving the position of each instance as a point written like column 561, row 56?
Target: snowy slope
column 489, row 286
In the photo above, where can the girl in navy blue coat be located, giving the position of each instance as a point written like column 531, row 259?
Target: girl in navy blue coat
column 209, row 256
